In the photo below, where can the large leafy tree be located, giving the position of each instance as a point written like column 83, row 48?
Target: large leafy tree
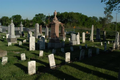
column 5, row 21
column 17, row 20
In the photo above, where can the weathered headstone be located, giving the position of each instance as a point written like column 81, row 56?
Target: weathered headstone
column 4, row 60
column 98, row 34
column 51, row 61
column 108, row 42
column 101, row 43
column 31, row 67
column 73, row 39
column 24, row 41
column 46, row 32
column 36, row 34
column 83, row 37
column 71, row 48
column 89, row 52
column 68, row 39
column 82, row 54
column 92, row 33
column 41, row 43
column 41, row 53
column 78, row 38
column 23, row 57
column 32, row 43
column 9, row 43
column 7, row 36
column 67, row 57
column 20, row 43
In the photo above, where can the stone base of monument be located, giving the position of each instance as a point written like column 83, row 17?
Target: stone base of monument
column 12, row 40
column 55, row 45
column 73, row 42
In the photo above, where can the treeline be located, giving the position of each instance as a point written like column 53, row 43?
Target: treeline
column 69, row 19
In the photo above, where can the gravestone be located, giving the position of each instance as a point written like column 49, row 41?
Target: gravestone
column 31, row 67
column 40, row 29
column 67, row 57
column 36, row 34
column 21, row 28
column 62, row 50
column 41, row 43
column 113, row 46
column 78, row 38
column 8, row 29
column 7, row 36
column 85, row 45
column 117, row 40
column 53, row 51
column 68, row 39
column 83, row 37
column 92, row 33
column 41, row 53
column 82, row 54
column 97, row 50
column 20, row 43
column 108, row 42
column 12, row 38
column 80, row 47
column 4, row 60
column 89, row 52
column 32, row 43
column 51, row 61
column 46, row 32
column 98, row 34
column 105, row 46
column 29, row 34
column 73, row 39
column 71, row 48
column 23, row 57
column 24, row 41
column 9, row 43
column 101, row 43
column 104, row 35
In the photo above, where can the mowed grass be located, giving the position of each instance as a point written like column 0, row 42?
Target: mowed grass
column 104, row 66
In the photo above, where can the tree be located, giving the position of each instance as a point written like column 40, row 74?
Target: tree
column 17, row 20
column 5, row 21
column 112, row 4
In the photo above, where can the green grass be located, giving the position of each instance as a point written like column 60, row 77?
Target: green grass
column 104, row 66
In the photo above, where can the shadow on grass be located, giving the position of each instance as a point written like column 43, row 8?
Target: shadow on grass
column 86, row 70
column 22, row 67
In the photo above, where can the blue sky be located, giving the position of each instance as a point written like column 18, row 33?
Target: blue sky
column 28, row 8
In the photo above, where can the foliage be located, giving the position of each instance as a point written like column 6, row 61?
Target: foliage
column 5, row 21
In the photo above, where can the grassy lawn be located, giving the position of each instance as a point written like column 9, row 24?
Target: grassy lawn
column 104, row 66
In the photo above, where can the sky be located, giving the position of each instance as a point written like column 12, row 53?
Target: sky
column 28, row 8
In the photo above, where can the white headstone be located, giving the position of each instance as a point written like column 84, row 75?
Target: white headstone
column 101, row 43
column 67, row 57
column 68, row 39
column 32, row 43
column 92, row 33
column 21, row 27
column 9, row 43
column 83, row 37
column 7, row 36
column 36, row 30
column 23, row 57
column 24, row 41
column 4, row 60
column 20, row 43
column 51, row 61
column 47, row 31
column 82, row 54
column 89, row 52
column 108, row 42
column 78, row 38
column 31, row 67
column 41, row 53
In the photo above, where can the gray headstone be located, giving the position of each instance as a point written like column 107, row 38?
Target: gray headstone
column 32, row 43
column 4, row 60
column 92, row 33
column 23, row 57
column 41, row 43
column 82, row 54
column 89, row 52
column 98, row 34
column 36, row 30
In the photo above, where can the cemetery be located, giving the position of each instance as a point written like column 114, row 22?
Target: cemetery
column 58, row 54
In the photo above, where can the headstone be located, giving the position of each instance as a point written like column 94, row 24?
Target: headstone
column 83, row 37
column 71, row 48
column 40, row 29
column 41, row 53
column 108, row 42
column 3, row 36
column 24, row 41
column 104, row 35
column 67, row 57
column 117, row 40
column 85, row 45
column 21, row 27
column 89, row 52
column 82, row 54
column 47, row 32
column 98, row 34
column 78, row 38
column 8, row 29
column 51, row 61
column 53, row 51
column 36, row 34
column 92, row 33
column 31, row 67
column 4, row 60
column 32, row 43
column 7, row 36
column 113, row 46
column 9, row 43
column 62, row 50
column 12, row 38
column 73, row 39
column 45, row 40
column 20, row 43
column 105, row 46
column 41, row 43
column 101, row 43
column 23, row 57
column 97, row 50
column 80, row 47
column 68, row 39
